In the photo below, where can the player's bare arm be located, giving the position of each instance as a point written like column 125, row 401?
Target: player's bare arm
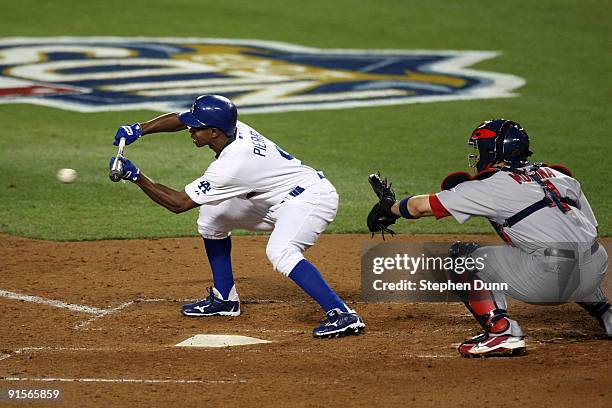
column 169, row 198
column 168, row 122
column 173, row 200
column 418, row 206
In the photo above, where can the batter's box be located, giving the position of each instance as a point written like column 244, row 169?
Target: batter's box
column 161, row 322
column 26, row 323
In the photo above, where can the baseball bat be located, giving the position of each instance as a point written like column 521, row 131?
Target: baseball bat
column 115, row 172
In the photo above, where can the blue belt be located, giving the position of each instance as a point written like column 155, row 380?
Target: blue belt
column 296, row 191
column 299, row 190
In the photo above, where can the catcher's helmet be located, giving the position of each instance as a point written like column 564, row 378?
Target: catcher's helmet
column 212, row 111
column 497, row 140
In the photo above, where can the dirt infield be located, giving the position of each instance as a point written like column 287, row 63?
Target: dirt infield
column 99, row 320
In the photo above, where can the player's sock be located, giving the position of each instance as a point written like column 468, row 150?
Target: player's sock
column 219, row 252
column 308, row 277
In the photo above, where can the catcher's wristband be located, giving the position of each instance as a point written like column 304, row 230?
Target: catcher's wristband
column 403, row 207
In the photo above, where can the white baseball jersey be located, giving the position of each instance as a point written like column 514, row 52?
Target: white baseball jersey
column 251, row 167
column 504, row 194
column 257, row 186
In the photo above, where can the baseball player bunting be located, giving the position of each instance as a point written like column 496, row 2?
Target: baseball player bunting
column 541, row 212
column 255, row 185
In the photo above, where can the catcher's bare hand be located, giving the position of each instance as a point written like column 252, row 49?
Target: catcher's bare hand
column 380, row 217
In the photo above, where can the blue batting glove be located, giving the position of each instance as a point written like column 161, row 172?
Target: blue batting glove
column 129, row 170
column 130, row 132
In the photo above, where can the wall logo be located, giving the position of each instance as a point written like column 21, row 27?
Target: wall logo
column 164, row 74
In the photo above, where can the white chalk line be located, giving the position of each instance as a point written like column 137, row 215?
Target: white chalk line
column 51, row 302
column 98, row 312
column 104, row 313
column 124, row 380
column 25, row 350
column 244, row 301
column 95, row 311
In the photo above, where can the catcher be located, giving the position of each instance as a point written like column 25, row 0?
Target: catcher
column 552, row 255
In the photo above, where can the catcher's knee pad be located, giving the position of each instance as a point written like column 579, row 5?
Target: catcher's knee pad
column 461, row 249
column 284, row 258
column 463, row 271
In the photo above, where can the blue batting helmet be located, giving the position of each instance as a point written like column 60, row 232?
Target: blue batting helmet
column 212, row 111
column 500, row 140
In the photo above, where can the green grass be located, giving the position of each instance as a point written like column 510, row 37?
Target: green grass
column 562, row 49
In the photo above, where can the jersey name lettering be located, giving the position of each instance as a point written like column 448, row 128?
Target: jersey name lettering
column 259, row 144
column 544, row 173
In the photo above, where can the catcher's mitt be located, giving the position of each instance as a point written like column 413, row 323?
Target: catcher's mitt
column 380, row 217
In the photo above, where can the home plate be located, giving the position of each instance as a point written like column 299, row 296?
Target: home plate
column 219, row 340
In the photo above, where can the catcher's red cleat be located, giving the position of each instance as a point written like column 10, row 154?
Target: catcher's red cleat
column 490, row 345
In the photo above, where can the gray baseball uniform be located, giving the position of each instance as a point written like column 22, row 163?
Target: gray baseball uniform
column 553, row 255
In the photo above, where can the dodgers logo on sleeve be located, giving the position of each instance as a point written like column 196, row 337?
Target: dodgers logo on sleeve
column 90, row 74
column 203, row 187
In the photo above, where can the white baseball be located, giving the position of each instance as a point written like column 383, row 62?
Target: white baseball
column 66, row 176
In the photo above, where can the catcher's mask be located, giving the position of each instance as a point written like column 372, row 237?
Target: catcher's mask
column 499, row 140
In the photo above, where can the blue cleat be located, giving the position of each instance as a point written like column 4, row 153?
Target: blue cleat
column 214, row 305
column 337, row 323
